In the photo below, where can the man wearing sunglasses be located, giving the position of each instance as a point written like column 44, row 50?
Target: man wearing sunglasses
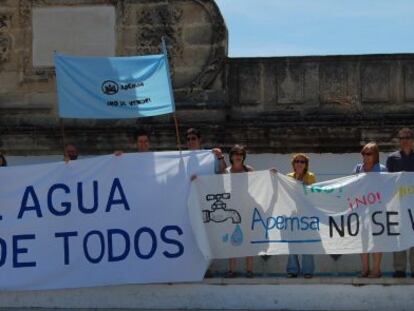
column 403, row 161
column 193, row 136
column 194, row 143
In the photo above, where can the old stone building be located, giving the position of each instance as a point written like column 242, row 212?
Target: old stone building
column 278, row 104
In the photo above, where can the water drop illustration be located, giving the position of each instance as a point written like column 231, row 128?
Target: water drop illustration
column 225, row 238
column 237, row 236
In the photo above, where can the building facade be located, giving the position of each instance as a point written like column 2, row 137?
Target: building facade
column 278, row 104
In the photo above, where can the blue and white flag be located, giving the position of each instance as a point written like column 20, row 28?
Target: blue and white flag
column 113, row 87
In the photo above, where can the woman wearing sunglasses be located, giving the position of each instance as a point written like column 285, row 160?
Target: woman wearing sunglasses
column 300, row 165
column 370, row 163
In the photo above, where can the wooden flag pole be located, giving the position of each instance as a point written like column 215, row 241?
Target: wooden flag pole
column 165, row 52
column 62, row 131
column 177, row 132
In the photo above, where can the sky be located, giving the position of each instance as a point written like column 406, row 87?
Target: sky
column 318, row 27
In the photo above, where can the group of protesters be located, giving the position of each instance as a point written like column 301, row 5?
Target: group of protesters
column 398, row 161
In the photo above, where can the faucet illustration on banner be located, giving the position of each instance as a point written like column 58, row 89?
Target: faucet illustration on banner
column 219, row 211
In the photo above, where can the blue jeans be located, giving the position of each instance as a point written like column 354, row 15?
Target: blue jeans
column 308, row 265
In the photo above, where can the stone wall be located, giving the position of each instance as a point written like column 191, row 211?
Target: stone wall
column 196, row 38
column 321, row 104
column 279, row 105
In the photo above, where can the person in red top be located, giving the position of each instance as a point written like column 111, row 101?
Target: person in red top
column 71, row 152
column 3, row 161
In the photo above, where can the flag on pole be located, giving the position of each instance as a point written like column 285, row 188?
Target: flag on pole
column 113, row 87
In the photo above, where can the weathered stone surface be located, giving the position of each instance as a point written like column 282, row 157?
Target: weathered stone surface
column 9, row 82
column 194, row 58
column 82, row 31
column 333, row 87
column 250, row 84
column 268, row 84
column 198, row 35
column 193, row 14
column 196, row 40
column 8, row 3
column 409, row 82
column 5, row 37
column 375, row 82
column 5, row 19
column 290, row 83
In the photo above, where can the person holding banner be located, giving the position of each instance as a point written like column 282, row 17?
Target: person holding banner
column 300, row 165
column 3, row 161
column 71, row 153
column 193, row 136
column 142, row 140
column 370, row 163
column 194, row 143
column 403, row 161
column 237, row 156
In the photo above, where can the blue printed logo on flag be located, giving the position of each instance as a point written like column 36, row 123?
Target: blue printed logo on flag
column 113, row 87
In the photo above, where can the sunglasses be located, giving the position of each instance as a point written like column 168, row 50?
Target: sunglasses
column 405, row 137
column 367, row 153
column 300, row 161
